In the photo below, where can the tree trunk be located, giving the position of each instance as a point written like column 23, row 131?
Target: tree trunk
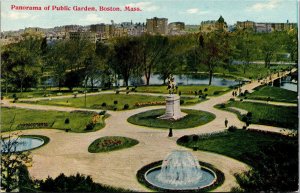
column 210, row 76
column 92, row 83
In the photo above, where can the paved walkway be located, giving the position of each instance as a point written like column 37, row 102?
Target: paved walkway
column 67, row 152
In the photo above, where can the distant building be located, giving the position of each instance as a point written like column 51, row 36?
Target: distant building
column 263, row 27
column 245, row 25
column 82, row 35
column 212, row 25
column 98, row 28
column 157, row 26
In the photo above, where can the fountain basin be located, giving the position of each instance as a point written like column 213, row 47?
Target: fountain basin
column 208, row 179
column 25, row 143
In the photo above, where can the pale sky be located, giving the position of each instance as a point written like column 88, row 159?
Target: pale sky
column 188, row 11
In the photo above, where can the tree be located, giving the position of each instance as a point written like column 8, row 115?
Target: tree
column 153, row 50
column 212, row 49
column 11, row 161
column 245, row 46
column 292, row 44
column 269, row 47
column 127, row 57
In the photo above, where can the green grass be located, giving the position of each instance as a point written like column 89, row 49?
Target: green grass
column 275, row 94
column 273, row 157
column 49, row 92
column 186, row 90
column 97, row 101
column 238, row 144
column 78, row 120
column 111, row 143
column 192, row 119
column 253, row 71
column 266, row 114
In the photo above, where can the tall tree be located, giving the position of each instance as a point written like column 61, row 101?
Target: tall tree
column 127, row 57
column 212, row 50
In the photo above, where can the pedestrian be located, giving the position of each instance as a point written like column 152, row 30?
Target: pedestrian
column 226, row 122
column 170, row 132
column 233, row 93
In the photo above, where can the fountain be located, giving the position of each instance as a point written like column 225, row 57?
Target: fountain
column 180, row 170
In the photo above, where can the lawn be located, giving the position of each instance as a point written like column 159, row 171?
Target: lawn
column 266, row 114
column 186, row 90
column 43, row 93
column 30, row 119
column 111, row 143
column 272, row 156
column 273, row 94
column 113, row 101
column 192, row 119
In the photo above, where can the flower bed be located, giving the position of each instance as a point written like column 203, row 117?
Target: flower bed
column 150, row 103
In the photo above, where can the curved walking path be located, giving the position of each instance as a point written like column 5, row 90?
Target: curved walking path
column 67, row 152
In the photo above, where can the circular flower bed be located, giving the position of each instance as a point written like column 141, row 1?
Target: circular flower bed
column 193, row 118
column 111, row 143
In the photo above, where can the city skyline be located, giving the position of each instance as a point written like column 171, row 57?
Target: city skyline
column 191, row 13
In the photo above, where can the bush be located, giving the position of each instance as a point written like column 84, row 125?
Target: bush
column 102, row 112
column 133, row 89
column 14, row 95
column 246, row 92
column 90, row 126
column 200, row 91
column 223, row 105
column 206, row 89
column 126, row 106
column 67, row 121
column 117, row 91
column 195, row 148
column 115, row 108
column 181, row 102
column 127, row 88
column 195, row 137
column 179, row 93
column 231, row 99
column 115, row 102
column 232, row 128
column 244, row 118
column 249, row 114
column 103, row 104
column 241, row 100
column 217, row 92
column 127, row 92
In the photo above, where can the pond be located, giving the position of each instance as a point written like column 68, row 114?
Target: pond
column 288, row 83
column 195, row 79
column 22, row 144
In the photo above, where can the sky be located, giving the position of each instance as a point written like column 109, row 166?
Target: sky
column 188, row 11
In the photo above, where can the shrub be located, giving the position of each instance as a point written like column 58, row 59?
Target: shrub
column 244, row 118
column 127, row 92
column 195, row 137
column 103, row 104
column 244, row 127
column 184, row 139
column 117, row 91
column 181, row 102
column 195, row 148
column 206, row 89
column 231, row 99
column 90, row 126
column 249, row 114
column 133, row 89
column 127, row 88
column 204, row 96
column 179, row 93
column 246, row 92
column 217, row 92
column 102, row 112
column 126, row 106
column 200, row 91
column 223, row 105
column 14, row 95
column 67, row 121
column 232, row 128
column 115, row 108
column 115, row 102
column 241, row 100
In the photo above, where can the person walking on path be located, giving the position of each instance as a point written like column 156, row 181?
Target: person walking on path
column 226, row 122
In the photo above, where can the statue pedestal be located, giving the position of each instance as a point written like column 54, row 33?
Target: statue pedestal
column 173, row 111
